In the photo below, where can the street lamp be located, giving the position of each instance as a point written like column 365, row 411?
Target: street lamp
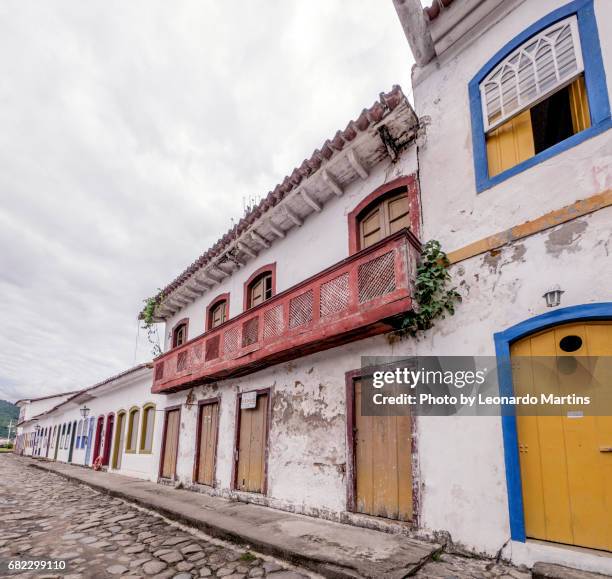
column 84, row 412
column 553, row 296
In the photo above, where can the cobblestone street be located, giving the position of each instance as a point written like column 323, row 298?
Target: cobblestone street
column 44, row 516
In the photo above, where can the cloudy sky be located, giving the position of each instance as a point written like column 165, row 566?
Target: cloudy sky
column 131, row 132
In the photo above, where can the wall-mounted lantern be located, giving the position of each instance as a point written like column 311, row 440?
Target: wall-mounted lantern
column 84, row 412
column 553, row 296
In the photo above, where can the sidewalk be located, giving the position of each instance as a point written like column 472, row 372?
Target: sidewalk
column 331, row 549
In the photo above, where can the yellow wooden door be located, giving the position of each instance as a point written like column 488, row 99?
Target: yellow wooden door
column 170, row 444
column 252, row 447
column 566, row 472
column 209, row 419
column 383, row 466
column 119, row 441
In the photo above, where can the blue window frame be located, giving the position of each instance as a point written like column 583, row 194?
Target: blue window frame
column 503, row 340
column 595, row 80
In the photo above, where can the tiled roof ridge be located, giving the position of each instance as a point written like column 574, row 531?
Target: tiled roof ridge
column 77, row 393
column 386, row 103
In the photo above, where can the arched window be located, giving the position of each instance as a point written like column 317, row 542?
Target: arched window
column 67, row 439
column 261, row 286
column 132, row 433
column 387, row 216
column 218, row 311
column 179, row 333
column 385, row 211
column 146, row 432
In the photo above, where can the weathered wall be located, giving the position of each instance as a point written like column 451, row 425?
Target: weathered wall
column 307, row 447
column 462, row 460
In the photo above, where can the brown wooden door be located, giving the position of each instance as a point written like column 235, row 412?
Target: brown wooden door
column 383, row 466
column 171, row 437
column 207, row 437
column 252, row 435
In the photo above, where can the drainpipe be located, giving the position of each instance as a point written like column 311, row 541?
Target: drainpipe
column 416, row 29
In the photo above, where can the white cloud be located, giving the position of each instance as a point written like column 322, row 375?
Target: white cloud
column 131, row 133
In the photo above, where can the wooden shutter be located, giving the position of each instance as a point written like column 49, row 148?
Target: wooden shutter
column 579, row 103
column 218, row 314
column 510, row 144
column 389, row 216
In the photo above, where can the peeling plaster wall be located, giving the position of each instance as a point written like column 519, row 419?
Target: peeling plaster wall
column 321, row 241
column 461, row 460
column 307, row 447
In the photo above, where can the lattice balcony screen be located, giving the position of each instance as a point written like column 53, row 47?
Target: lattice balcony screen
column 544, row 63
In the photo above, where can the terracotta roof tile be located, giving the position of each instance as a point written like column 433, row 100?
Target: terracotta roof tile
column 387, row 102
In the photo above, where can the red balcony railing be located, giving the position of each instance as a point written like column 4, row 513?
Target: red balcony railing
column 353, row 299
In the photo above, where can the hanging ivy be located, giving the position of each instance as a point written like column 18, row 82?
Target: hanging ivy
column 433, row 299
column 148, row 322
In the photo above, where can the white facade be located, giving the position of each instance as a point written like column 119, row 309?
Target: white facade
column 116, row 396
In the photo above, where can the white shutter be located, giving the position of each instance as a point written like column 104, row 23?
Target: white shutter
column 547, row 61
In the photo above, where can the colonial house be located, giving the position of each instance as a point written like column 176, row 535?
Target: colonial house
column 257, row 395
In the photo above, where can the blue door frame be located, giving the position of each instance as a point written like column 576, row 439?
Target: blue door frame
column 600, row 311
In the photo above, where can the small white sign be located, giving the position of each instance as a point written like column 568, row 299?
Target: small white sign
column 575, row 414
column 248, row 400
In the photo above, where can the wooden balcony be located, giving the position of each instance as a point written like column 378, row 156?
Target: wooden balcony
column 360, row 296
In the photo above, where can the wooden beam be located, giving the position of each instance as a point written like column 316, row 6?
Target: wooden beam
column 542, row 223
column 331, row 182
column 260, row 238
column 296, row 220
column 246, row 249
column 216, row 268
column 197, row 289
column 275, row 229
column 310, row 201
column 357, row 165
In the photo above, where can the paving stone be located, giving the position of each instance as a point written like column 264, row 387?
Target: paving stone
column 184, row 566
column 172, row 557
column 154, row 567
column 134, row 549
column 176, row 540
column 191, row 549
column 182, row 576
column 256, row 572
column 139, row 562
column 270, row 567
column 116, row 570
column 205, row 572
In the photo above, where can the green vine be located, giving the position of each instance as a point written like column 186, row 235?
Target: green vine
column 148, row 322
column 433, row 299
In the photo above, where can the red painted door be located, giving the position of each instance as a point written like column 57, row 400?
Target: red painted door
column 108, row 438
column 98, row 442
